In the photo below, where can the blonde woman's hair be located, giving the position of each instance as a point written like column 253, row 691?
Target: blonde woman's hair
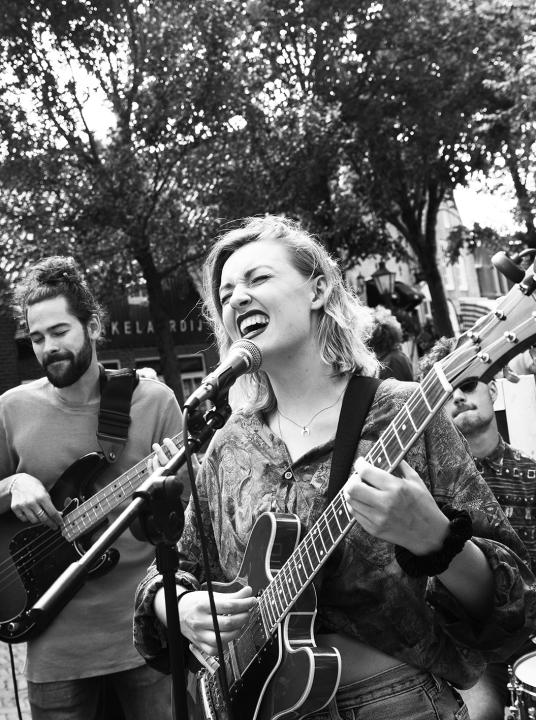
column 344, row 323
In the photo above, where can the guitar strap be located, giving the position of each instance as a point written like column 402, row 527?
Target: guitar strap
column 356, row 404
column 116, row 388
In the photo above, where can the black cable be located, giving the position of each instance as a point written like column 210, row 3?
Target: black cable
column 203, row 542
column 15, row 683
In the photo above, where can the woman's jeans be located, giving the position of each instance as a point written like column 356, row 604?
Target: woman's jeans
column 400, row 693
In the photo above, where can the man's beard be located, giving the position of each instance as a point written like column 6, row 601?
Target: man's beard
column 74, row 365
column 471, row 423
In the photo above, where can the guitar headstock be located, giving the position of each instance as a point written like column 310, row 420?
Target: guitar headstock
column 505, row 331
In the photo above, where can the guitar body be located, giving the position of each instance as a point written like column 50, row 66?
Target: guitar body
column 32, row 556
column 285, row 675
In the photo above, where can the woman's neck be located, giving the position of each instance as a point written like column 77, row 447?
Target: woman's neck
column 307, row 410
column 306, row 388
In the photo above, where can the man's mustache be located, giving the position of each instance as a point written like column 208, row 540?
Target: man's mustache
column 458, row 409
column 49, row 359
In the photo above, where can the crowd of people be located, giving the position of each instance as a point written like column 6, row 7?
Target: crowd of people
column 415, row 589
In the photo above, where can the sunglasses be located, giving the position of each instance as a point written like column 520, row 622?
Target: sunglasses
column 468, row 386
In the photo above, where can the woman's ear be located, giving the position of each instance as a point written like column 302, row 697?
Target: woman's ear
column 319, row 288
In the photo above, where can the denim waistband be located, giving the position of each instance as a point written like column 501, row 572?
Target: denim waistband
column 394, row 680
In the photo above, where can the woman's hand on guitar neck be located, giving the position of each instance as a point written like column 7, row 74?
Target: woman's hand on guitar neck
column 30, row 501
column 400, row 510
column 196, row 620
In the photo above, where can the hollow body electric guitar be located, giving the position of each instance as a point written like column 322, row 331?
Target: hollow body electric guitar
column 33, row 556
column 274, row 669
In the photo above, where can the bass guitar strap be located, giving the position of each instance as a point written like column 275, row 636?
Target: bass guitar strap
column 116, row 388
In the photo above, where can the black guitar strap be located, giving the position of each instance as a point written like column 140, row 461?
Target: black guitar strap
column 356, row 403
column 116, row 387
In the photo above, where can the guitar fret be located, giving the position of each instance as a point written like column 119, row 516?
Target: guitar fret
column 328, row 523
column 305, row 557
column 379, row 456
column 425, row 398
column 410, row 417
column 266, row 613
column 320, row 535
column 285, row 587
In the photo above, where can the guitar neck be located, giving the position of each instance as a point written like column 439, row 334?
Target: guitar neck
column 98, row 506
column 312, row 553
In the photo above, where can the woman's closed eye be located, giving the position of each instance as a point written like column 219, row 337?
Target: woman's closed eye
column 259, row 279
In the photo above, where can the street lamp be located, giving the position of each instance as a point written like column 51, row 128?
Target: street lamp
column 384, row 280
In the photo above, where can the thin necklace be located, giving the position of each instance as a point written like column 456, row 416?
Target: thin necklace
column 306, row 429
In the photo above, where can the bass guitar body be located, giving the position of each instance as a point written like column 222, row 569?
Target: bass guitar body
column 32, row 556
column 271, row 674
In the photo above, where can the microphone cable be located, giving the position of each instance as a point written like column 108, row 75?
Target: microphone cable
column 15, row 682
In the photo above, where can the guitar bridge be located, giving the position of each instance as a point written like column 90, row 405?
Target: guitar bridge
column 207, row 661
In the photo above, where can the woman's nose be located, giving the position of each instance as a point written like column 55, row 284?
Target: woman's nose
column 239, row 298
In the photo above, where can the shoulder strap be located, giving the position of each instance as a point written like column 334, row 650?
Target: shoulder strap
column 114, row 414
column 355, row 406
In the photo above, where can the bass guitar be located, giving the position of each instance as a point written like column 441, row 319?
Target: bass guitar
column 274, row 670
column 33, row 556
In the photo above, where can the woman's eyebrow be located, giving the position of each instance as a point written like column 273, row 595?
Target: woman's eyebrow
column 247, row 275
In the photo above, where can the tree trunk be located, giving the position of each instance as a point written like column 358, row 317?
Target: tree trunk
column 160, row 320
column 440, row 309
column 424, row 245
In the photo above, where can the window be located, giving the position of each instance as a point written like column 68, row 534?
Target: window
column 192, row 369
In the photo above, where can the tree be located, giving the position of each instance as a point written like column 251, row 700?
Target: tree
column 378, row 103
column 124, row 202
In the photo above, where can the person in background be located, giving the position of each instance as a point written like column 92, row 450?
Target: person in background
column 45, row 426
column 511, row 475
column 524, row 363
column 409, row 618
column 386, row 340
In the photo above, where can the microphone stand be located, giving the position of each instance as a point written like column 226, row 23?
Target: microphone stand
column 157, row 504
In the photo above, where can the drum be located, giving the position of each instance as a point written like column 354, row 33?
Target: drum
column 523, row 687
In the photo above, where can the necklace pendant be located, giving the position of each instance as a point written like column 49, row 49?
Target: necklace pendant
column 305, row 431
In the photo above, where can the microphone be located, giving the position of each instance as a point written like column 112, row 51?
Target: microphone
column 243, row 357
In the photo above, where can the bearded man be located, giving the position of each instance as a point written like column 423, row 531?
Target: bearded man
column 45, row 426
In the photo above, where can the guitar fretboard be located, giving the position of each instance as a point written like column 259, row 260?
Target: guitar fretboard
column 92, row 511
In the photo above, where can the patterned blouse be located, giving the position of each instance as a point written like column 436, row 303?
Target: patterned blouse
column 365, row 594
column 512, row 477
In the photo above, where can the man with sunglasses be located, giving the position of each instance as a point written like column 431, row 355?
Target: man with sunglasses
column 511, row 476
